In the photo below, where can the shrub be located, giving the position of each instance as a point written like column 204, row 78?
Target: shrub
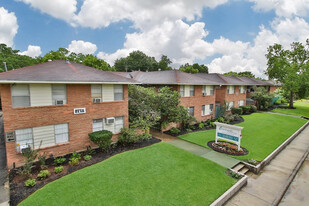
column 144, row 137
column 76, row 155
column 26, row 170
column 236, row 110
column 128, row 136
column 252, row 161
column 201, row 125
column 74, row 161
column 59, row 160
column 245, row 109
column 229, row 117
column 30, row 183
column 41, row 161
column 58, row 169
column 101, row 138
column 87, row 157
column 235, row 175
column 220, row 119
column 89, row 151
column 175, row 130
column 211, row 124
column 253, row 108
column 43, row 174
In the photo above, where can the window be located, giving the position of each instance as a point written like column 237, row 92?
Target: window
column 20, row 95
column 61, row 133
column 59, row 92
column 24, row 137
column 118, row 124
column 230, row 89
column 204, row 90
column 191, row 111
column 211, row 90
column 96, row 91
column 97, row 125
column 241, row 103
column 182, row 90
column 207, row 109
column 118, row 92
column 242, row 89
column 191, row 90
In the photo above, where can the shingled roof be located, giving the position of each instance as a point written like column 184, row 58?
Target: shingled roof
column 61, row 71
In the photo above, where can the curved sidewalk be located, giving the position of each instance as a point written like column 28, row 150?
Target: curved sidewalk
column 267, row 187
column 216, row 157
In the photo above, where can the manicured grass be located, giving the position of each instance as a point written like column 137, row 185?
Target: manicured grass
column 160, row 174
column 302, row 109
column 262, row 134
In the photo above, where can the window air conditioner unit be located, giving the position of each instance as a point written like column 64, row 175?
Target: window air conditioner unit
column 96, row 100
column 22, row 148
column 59, row 102
column 204, row 94
column 110, row 120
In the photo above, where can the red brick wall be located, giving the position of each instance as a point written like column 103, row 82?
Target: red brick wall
column 197, row 101
column 272, row 89
column 78, row 96
column 221, row 95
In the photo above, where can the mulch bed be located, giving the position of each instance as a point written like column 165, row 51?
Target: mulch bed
column 196, row 128
column 227, row 148
column 19, row 192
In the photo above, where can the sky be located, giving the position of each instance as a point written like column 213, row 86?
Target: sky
column 225, row 35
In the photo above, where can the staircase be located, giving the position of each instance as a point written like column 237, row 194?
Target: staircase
column 241, row 168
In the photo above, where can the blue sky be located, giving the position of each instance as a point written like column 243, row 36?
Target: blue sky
column 225, row 35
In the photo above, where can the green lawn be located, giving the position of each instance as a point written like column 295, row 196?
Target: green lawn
column 262, row 134
column 302, row 109
column 160, row 174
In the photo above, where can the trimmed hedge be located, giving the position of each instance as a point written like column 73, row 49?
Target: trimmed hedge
column 253, row 108
column 101, row 138
column 245, row 109
column 236, row 110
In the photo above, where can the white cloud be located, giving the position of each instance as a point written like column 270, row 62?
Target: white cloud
column 8, row 26
column 82, row 47
column 59, row 9
column 283, row 8
column 32, row 51
column 143, row 14
column 283, row 31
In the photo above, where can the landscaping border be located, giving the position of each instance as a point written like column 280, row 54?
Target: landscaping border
column 257, row 168
column 230, row 192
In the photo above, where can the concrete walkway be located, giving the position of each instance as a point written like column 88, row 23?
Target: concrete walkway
column 290, row 115
column 267, row 187
column 221, row 159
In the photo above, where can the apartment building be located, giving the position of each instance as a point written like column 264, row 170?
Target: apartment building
column 197, row 94
column 56, row 104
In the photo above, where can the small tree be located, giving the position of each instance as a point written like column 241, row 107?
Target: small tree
column 185, row 118
column 262, row 97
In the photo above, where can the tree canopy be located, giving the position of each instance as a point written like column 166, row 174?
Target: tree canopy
column 138, row 61
column 240, row 74
column 290, row 67
column 195, row 68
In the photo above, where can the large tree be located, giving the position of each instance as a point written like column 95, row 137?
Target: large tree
column 13, row 59
column 290, row 67
column 195, row 68
column 139, row 61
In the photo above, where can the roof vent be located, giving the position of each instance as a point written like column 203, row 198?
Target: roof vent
column 131, row 76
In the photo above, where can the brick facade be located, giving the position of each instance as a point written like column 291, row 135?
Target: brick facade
column 222, row 95
column 78, row 96
column 197, row 101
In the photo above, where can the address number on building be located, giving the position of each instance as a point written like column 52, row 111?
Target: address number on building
column 79, row 110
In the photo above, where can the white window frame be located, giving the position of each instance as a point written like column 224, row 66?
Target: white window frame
column 14, row 90
column 116, row 92
column 192, row 91
column 210, row 109
column 63, row 96
column 117, row 126
column 231, row 89
column 189, row 108
column 58, row 133
column 94, row 91
column 95, row 123
column 182, row 90
column 241, row 101
column 229, row 106
column 212, row 90
column 23, row 132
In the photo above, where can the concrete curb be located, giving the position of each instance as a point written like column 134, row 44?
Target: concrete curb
column 230, row 192
column 256, row 169
column 290, row 180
